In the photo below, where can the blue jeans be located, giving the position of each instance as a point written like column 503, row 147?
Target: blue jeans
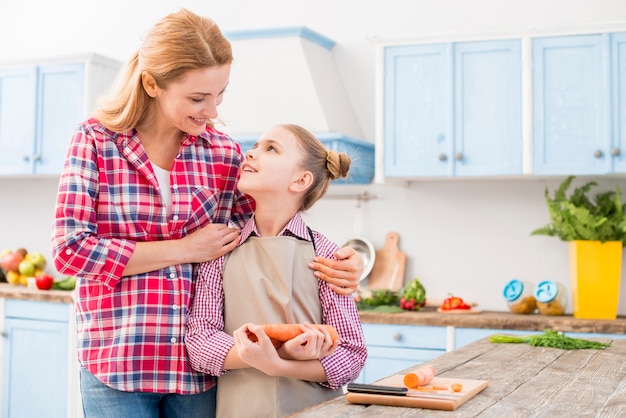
column 101, row 401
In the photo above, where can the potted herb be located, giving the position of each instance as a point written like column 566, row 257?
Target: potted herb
column 596, row 231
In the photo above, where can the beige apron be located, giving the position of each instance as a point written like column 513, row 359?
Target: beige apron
column 267, row 281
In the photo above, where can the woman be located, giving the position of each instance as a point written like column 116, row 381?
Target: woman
column 286, row 172
column 147, row 191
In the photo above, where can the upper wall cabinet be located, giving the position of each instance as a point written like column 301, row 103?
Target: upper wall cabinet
column 453, row 109
column 40, row 106
column 579, row 104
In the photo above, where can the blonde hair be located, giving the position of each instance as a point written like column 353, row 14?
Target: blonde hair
column 325, row 165
column 180, row 42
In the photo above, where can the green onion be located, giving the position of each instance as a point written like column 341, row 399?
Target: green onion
column 551, row 339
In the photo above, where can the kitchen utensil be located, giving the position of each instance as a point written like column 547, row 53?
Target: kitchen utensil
column 388, row 270
column 366, row 249
column 446, row 400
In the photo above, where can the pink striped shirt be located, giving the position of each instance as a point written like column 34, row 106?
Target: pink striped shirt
column 130, row 329
column 208, row 344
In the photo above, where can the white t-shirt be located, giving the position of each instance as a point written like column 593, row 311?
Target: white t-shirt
column 163, row 177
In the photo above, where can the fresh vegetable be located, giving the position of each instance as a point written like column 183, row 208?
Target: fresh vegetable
column 379, row 300
column 413, row 296
column 420, row 377
column 68, row 283
column 581, row 218
column 456, row 387
column 454, row 302
column 381, row 297
column 551, row 339
column 279, row 333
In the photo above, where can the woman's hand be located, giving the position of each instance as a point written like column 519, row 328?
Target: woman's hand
column 312, row 344
column 210, row 242
column 342, row 274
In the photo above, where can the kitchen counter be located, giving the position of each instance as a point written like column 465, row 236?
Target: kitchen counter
column 522, row 380
column 9, row 291
column 428, row 316
column 498, row 320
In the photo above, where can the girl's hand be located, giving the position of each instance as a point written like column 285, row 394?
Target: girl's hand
column 262, row 354
column 342, row 274
column 312, row 344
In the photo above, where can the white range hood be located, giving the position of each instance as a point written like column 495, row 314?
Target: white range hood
column 288, row 75
column 285, row 75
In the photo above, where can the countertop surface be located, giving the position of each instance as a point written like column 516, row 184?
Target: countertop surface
column 523, row 381
column 9, row 291
column 428, row 316
column 498, row 320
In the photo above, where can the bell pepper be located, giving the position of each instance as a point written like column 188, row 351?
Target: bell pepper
column 454, row 302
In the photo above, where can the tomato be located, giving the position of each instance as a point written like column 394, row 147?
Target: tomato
column 44, row 281
column 454, row 302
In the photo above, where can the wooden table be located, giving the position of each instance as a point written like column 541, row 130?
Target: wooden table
column 524, row 381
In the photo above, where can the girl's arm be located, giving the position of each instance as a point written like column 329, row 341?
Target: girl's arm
column 263, row 356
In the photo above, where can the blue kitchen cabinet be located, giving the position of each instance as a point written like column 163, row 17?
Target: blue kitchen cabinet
column 35, row 359
column 579, row 104
column 453, row 109
column 392, row 348
column 40, row 108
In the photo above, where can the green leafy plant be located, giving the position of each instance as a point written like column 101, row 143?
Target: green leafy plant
column 579, row 217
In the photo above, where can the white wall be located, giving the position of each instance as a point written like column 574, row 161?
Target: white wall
column 463, row 236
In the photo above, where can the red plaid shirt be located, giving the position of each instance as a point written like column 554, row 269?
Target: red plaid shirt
column 130, row 329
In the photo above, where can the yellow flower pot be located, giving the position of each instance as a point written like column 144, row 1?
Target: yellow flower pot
column 595, row 271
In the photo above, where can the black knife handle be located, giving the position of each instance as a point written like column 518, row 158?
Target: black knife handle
column 376, row 389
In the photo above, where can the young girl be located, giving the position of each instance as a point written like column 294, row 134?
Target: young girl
column 266, row 280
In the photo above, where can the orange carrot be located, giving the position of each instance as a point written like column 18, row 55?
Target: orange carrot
column 440, row 387
column 456, row 387
column 419, row 377
column 279, row 333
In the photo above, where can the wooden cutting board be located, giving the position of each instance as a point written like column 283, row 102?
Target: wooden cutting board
column 446, row 400
column 388, row 270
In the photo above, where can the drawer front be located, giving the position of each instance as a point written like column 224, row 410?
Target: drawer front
column 405, row 336
column 43, row 311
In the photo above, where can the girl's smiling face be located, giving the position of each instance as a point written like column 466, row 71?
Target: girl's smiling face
column 272, row 165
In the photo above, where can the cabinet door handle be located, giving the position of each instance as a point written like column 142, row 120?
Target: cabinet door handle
column 397, row 336
column 36, row 157
column 458, row 156
column 598, row 153
column 443, row 157
column 26, row 158
column 615, row 152
column 3, row 334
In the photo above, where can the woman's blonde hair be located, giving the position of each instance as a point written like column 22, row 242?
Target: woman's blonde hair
column 325, row 165
column 180, row 42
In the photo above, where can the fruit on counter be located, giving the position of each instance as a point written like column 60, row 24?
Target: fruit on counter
column 13, row 277
column 11, row 260
column 44, row 281
column 413, row 296
column 20, row 265
column 454, row 302
column 26, row 268
column 38, row 260
column 67, row 283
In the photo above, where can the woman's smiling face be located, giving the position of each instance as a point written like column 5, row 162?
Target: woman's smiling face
column 190, row 102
